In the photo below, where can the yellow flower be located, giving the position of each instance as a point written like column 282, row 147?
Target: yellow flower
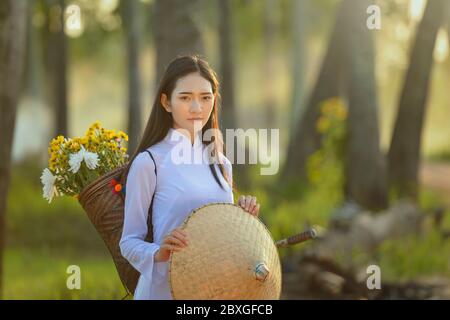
column 327, row 107
column 113, row 146
column 54, row 143
column 52, row 163
column 341, row 112
column 96, row 125
column 68, row 144
column 75, row 146
column 84, row 141
column 123, row 135
column 89, row 132
column 59, row 139
column 323, row 124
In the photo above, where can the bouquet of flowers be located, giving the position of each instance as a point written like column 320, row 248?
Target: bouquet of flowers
column 93, row 170
column 76, row 162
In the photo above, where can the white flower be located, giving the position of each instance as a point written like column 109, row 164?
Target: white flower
column 90, row 158
column 75, row 161
column 48, row 181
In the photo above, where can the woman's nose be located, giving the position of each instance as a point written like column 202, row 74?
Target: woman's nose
column 195, row 106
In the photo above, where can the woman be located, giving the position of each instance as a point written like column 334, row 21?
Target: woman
column 185, row 108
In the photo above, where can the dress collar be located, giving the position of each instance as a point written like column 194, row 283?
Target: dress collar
column 174, row 136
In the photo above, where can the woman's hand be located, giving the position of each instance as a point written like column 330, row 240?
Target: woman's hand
column 173, row 241
column 249, row 204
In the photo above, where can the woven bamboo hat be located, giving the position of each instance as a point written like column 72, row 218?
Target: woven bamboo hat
column 231, row 255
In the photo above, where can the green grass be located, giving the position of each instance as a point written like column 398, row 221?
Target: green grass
column 44, row 239
column 41, row 273
column 418, row 255
column 415, row 256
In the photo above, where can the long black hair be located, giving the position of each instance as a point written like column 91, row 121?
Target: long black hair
column 160, row 121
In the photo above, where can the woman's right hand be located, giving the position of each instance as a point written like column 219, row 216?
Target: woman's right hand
column 173, row 241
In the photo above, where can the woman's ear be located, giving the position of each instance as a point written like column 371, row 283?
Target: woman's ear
column 165, row 102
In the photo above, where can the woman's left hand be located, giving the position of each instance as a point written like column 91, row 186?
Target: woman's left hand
column 249, row 204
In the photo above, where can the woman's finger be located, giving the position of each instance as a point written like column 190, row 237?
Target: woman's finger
column 177, row 234
column 248, row 202
column 179, row 242
column 244, row 203
column 252, row 204
column 170, row 247
column 256, row 210
column 181, row 231
column 175, row 241
column 241, row 201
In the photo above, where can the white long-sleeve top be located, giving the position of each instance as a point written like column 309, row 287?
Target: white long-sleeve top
column 178, row 188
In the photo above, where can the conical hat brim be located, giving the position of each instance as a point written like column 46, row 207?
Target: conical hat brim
column 225, row 245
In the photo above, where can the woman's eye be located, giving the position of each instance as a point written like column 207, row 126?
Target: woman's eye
column 207, row 98
column 184, row 98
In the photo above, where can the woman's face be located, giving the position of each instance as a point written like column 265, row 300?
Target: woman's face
column 191, row 103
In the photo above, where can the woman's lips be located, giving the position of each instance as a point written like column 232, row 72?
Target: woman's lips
column 195, row 119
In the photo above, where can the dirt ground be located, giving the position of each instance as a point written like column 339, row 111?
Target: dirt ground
column 437, row 177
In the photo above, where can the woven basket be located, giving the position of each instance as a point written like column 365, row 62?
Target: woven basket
column 105, row 209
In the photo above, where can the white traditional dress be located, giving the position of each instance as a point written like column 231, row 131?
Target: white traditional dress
column 179, row 188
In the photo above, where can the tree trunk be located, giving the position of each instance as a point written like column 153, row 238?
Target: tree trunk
column 176, row 32
column 130, row 16
column 228, row 112
column 269, row 67
column 12, row 45
column 33, row 56
column 404, row 152
column 300, row 53
column 56, row 63
column 365, row 166
column 305, row 140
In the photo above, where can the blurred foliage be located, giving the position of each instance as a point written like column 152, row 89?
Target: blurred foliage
column 443, row 155
column 332, row 127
